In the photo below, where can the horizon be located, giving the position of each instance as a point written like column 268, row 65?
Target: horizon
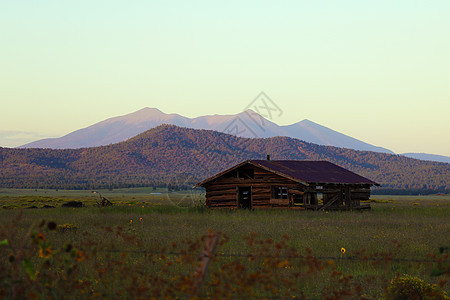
column 227, row 115
column 377, row 72
column 211, row 115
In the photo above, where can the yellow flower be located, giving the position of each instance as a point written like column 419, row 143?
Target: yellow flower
column 45, row 253
column 131, row 221
column 283, row 264
column 343, row 250
column 140, row 219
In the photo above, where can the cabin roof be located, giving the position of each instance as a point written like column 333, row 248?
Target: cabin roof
column 303, row 171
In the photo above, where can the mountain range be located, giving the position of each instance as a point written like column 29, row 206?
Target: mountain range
column 169, row 155
column 246, row 124
column 430, row 157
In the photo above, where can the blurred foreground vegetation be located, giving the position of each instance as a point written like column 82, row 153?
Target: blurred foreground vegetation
column 148, row 245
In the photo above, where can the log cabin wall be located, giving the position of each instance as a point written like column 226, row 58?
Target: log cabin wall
column 344, row 195
column 223, row 191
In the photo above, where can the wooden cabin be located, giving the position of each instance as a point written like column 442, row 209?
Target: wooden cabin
column 290, row 184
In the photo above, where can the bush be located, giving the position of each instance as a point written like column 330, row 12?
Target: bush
column 66, row 227
column 409, row 287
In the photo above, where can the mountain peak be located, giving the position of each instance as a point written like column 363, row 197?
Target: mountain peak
column 307, row 122
column 250, row 124
column 147, row 111
column 143, row 115
column 248, row 111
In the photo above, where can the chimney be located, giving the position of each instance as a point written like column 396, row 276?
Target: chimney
column 268, row 156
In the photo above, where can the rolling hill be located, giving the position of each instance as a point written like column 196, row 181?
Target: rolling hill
column 169, row 155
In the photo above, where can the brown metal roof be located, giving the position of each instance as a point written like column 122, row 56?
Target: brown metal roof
column 304, row 171
column 314, row 171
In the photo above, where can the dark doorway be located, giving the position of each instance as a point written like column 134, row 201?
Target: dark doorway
column 297, row 200
column 245, row 197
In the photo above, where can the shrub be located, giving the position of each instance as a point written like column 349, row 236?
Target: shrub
column 410, row 288
column 66, row 227
column 73, row 204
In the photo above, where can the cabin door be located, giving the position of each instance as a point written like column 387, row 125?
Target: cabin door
column 245, row 197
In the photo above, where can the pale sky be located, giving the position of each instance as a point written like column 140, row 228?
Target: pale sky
column 375, row 70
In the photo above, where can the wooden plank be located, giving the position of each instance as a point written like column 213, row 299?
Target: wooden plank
column 261, row 197
column 331, row 202
column 259, row 190
column 220, row 187
column 261, row 203
column 295, row 191
column 223, row 200
column 328, row 191
column 360, row 190
column 218, row 193
column 348, row 199
column 223, row 205
column 255, row 185
column 279, row 201
column 360, row 196
column 264, row 179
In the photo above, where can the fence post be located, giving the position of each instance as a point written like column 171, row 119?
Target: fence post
column 209, row 249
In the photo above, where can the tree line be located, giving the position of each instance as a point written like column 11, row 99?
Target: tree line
column 180, row 157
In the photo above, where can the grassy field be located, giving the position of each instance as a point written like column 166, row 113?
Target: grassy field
column 157, row 235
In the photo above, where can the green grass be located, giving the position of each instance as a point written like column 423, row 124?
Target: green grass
column 417, row 225
column 23, row 198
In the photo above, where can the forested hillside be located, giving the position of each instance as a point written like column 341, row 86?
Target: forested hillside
column 174, row 156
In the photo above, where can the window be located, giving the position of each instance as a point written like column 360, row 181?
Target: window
column 279, row 192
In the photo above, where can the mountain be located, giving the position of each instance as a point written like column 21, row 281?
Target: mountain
column 431, row 157
column 245, row 124
column 176, row 156
column 112, row 130
column 318, row 134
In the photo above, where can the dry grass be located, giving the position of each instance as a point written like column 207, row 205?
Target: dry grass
column 398, row 231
